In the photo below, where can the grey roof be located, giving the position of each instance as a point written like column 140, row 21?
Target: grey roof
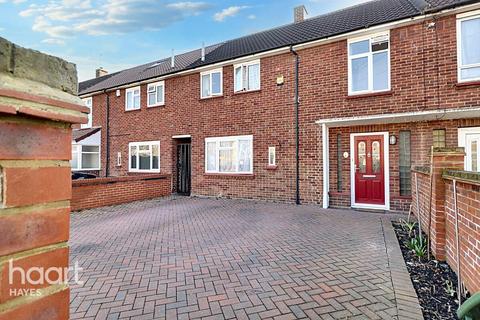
column 81, row 134
column 335, row 23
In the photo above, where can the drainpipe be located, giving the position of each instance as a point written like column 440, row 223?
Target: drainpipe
column 297, row 135
column 107, row 132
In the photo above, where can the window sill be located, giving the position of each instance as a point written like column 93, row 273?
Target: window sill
column 156, row 106
column 239, row 176
column 469, row 84
column 132, row 110
column 212, row 97
column 147, row 172
column 370, row 94
column 246, row 91
column 272, row 167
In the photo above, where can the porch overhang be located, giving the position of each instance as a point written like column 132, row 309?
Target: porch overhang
column 390, row 118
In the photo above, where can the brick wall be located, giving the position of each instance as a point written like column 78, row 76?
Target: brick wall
column 447, row 165
column 423, row 78
column 468, row 205
column 93, row 193
column 38, row 104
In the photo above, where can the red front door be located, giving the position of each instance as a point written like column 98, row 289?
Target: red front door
column 369, row 170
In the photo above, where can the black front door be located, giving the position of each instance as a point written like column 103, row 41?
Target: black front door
column 183, row 168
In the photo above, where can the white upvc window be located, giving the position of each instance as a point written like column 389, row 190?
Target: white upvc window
column 88, row 104
column 85, row 157
column 468, row 46
column 211, row 83
column 156, row 94
column 229, row 155
column 132, row 98
column 144, row 156
column 369, row 64
column 469, row 138
column 272, row 161
column 247, row 76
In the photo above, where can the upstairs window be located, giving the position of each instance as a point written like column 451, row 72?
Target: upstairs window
column 88, row 104
column 144, row 156
column 229, row 154
column 369, row 64
column 468, row 31
column 211, row 83
column 132, row 99
column 247, row 76
column 156, row 94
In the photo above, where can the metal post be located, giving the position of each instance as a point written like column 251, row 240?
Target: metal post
column 418, row 208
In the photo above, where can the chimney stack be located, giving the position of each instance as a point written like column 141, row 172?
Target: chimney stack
column 299, row 13
column 100, row 72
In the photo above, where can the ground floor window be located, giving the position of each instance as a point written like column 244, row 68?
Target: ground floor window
column 439, row 138
column 85, row 157
column 405, row 163
column 144, row 156
column 229, row 154
column 469, row 138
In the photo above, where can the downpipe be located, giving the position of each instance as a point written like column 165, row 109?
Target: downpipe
column 297, row 129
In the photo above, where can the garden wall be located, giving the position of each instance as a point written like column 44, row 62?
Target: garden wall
column 94, row 193
column 468, row 206
column 447, row 166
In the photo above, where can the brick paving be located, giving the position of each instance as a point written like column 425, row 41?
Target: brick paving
column 194, row 258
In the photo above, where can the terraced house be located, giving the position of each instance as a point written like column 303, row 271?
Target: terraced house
column 334, row 109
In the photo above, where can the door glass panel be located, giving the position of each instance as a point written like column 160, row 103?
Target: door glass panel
column 474, row 155
column 376, row 157
column 362, row 157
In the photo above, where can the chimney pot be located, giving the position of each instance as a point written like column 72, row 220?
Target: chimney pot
column 299, row 13
column 100, row 72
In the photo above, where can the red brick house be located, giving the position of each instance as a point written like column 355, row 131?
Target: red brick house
column 378, row 85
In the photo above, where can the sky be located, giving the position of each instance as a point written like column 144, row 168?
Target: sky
column 119, row 34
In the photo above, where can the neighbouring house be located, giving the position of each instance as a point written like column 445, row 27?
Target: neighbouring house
column 373, row 88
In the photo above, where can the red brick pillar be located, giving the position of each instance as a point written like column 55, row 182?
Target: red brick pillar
column 443, row 158
column 38, row 105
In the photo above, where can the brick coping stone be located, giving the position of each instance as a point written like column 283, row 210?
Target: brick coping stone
column 407, row 301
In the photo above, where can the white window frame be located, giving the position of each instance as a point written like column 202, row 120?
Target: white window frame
column 460, row 18
column 155, row 86
column 463, row 134
column 369, row 55
column 132, row 90
column 89, row 104
column 272, row 151
column 79, row 157
column 217, row 140
column 209, row 73
column 245, row 83
column 143, row 143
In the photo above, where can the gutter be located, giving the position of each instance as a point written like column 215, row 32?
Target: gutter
column 297, row 129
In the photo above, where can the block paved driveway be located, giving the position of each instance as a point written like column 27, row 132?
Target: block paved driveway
column 189, row 258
